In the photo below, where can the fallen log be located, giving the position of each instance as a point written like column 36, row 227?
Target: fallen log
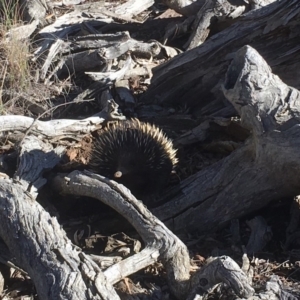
column 67, row 271
column 194, row 78
column 251, row 176
column 244, row 181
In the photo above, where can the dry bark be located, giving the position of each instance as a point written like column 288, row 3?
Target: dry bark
column 36, row 240
column 48, row 251
column 246, row 180
column 160, row 242
column 210, row 15
column 251, row 176
column 194, row 78
column 185, row 7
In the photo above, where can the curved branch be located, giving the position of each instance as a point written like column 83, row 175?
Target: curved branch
column 156, row 236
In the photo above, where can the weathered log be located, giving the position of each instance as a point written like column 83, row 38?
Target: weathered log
column 50, row 129
column 158, row 239
column 267, row 107
column 56, row 129
column 22, row 32
column 274, row 289
column 48, row 251
column 194, row 78
column 251, row 176
column 37, row 241
column 210, row 12
column 246, row 180
column 210, row 15
column 185, row 7
column 160, row 242
column 133, row 7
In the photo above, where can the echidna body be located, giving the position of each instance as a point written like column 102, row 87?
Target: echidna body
column 136, row 154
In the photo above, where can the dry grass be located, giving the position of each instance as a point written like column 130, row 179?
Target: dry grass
column 14, row 54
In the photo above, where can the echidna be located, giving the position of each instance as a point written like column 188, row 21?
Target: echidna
column 136, row 154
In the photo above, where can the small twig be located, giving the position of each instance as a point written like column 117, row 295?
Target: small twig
column 274, row 268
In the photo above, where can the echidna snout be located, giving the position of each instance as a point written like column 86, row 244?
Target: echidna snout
column 136, row 154
column 118, row 174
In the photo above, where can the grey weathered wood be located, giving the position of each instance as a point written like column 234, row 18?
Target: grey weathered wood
column 90, row 52
column 193, row 7
column 27, row 231
column 156, row 236
column 64, row 3
column 107, row 78
column 221, row 269
column 274, row 290
column 1, row 283
column 37, row 241
column 185, row 7
column 50, row 129
column 256, row 4
column 194, row 78
column 94, row 14
column 36, row 156
column 123, row 12
column 209, row 13
column 59, row 30
column 244, row 181
column 56, row 129
column 251, row 176
column 133, row 7
column 125, row 96
column 268, row 108
column 160, row 242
